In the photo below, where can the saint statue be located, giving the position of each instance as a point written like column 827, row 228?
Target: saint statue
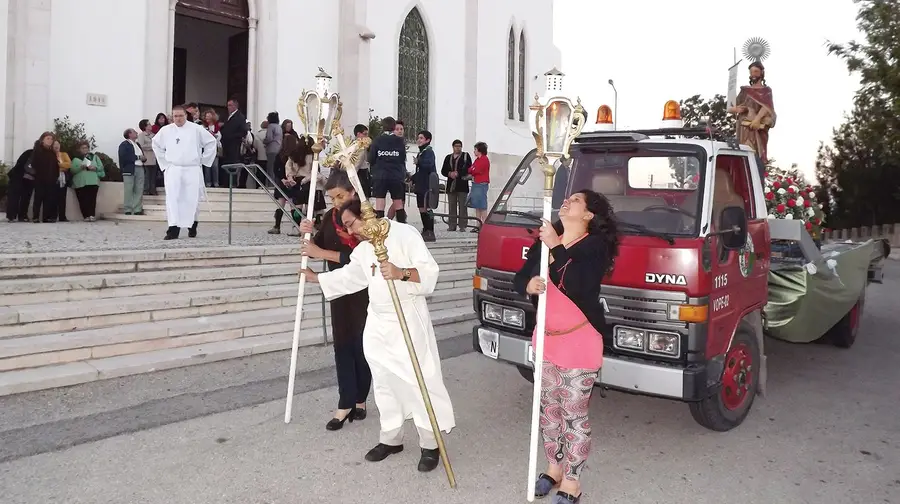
column 755, row 112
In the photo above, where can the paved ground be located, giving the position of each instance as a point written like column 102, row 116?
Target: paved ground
column 827, row 433
column 24, row 238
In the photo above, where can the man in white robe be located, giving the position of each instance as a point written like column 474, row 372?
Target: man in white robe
column 396, row 390
column 182, row 150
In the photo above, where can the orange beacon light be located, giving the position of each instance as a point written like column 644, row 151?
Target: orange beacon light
column 604, row 119
column 672, row 115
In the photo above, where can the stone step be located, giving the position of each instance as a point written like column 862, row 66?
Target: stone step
column 32, row 319
column 255, row 217
column 218, row 207
column 83, row 371
column 44, row 349
column 217, row 194
column 24, row 291
column 124, row 261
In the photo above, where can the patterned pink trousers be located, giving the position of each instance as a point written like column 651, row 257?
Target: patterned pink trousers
column 565, row 397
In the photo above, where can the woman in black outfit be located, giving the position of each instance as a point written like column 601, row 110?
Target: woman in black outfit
column 348, row 313
column 46, row 179
column 21, row 185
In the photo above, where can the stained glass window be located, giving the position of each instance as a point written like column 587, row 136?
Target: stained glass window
column 412, row 86
column 523, row 62
column 511, row 76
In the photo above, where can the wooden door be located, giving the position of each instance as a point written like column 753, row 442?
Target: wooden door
column 238, row 48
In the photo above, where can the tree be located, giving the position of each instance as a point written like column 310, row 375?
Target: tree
column 714, row 112
column 859, row 172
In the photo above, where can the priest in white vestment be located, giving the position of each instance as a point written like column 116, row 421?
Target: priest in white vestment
column 182, row 150
column 396, row 390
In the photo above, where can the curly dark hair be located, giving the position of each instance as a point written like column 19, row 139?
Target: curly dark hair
column 603, row 224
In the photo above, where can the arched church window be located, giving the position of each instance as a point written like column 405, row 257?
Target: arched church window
column 523, row 62
column 412, row 86
column 511, row 76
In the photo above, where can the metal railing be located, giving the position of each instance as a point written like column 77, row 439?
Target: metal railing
column 233, row 170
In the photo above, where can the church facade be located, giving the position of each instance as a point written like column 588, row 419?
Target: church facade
column 463, row 69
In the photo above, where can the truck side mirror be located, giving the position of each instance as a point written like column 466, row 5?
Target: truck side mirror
column 733, row 226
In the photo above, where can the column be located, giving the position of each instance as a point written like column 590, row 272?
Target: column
column 348, row 83
column 5, row 154
column 157, row 61
column 470, row 96
column 266, row 65
column 251, row 69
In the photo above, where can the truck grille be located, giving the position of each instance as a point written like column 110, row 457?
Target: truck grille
column 627, row 306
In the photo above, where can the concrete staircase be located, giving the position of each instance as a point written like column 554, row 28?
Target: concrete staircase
column 250, row 206
column 69, row 318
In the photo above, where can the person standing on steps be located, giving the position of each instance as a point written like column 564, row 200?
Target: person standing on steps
column 456, row 170
column 333, row 244
column 396, row 389
column 481, row 180
column 387, row 159
column 361, row 131
column 426, row 170
column 583, row 245
column 182, row 150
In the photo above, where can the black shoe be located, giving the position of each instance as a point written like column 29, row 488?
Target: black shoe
column 382, row 451
column 335, row 424
column 192, row 232
column 359, row 413
column 428, row 236
column 172, row 233
column 139, row 213
column 63, row 219
column 544, row 485
column 563, row 498
column 429, row 460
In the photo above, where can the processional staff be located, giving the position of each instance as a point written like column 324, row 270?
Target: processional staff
column 316, row 109
column 556, row 123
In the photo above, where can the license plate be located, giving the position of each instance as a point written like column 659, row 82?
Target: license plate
column 489, row 343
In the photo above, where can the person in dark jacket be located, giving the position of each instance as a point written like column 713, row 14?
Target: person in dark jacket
column 18, row 194
column 387, row 161
column 334, row 244
column 425, row 168
column 46, row 177
column 456, row 170
column 233, row 131
column 131, row 162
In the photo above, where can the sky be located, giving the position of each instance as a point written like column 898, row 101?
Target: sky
column 659, row 50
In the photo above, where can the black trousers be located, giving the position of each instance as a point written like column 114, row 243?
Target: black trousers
column 61, row 203
column 348, row 319
column 18, row 196
column 87, row 200
column 45, row 200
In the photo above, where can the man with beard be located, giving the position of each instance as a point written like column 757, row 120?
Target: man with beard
column 755, row 113
column 396, row 390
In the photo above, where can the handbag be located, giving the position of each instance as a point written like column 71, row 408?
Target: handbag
column 29, row 169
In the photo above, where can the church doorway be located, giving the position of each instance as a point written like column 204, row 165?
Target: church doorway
column 210, row 63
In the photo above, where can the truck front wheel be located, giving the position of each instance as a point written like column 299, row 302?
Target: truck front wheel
column 843, row 334
column 729, row 407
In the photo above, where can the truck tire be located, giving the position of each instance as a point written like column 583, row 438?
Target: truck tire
column 727, row 408
column 843, row 334
column 526, row 373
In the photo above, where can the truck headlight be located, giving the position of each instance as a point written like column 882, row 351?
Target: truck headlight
column 513, row 317
column 492, row 312
column 663, row 343
column 629, row 339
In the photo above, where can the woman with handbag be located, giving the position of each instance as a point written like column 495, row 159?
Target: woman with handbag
column 583, row 246
column 65, row 181
column 46, row 179
column 18, row 195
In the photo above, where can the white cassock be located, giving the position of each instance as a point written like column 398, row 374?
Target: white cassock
column 181, row 152
column 396, row 390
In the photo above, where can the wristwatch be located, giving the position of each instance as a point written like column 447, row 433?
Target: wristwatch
column 406, row 275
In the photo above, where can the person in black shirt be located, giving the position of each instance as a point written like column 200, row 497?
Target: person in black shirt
column 425, row 168
column 583, row 246
column 456, row 170
column 387, row 161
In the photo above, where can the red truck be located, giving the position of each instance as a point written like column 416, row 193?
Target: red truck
column 685, row 299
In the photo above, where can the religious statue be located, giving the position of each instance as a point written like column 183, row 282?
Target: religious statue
column 755, row 112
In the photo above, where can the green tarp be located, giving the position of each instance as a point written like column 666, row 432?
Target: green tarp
column 802, row 306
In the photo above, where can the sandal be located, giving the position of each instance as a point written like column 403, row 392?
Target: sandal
column 544, row 485
column 565, row 498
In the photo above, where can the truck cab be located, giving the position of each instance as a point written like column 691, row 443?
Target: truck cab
column 684, row 299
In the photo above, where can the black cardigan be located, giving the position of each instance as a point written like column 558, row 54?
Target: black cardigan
column 582, row 279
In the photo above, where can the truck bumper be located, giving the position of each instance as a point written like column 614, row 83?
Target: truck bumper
column 625, row 374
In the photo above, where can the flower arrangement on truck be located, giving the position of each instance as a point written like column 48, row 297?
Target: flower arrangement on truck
column 696, row 284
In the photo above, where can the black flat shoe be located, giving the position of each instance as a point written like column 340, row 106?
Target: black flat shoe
column 192, row 231
column 429, row 460
column 544, row 485
column 358, row 414
column 382, row 451
column 564, row 498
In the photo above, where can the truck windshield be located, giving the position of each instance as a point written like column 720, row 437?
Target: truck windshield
column 653, row 189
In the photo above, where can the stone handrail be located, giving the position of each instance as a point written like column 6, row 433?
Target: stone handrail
column 889, row 232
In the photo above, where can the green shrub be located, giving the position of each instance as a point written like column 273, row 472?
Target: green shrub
column 375, row 128
column 68, row 134
column 113, row 172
